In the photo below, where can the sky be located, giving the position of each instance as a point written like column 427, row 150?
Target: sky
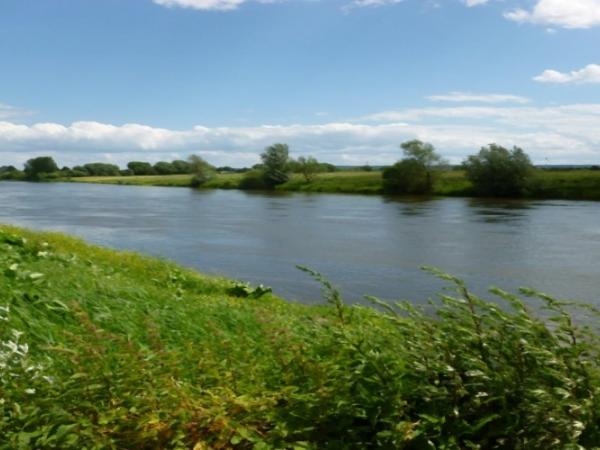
column 345, row 81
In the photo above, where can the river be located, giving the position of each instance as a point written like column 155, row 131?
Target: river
column 363, row 244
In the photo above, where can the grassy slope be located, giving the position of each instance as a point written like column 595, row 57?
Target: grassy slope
column 105, row 349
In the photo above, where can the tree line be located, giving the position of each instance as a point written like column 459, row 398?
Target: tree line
column 493, row 171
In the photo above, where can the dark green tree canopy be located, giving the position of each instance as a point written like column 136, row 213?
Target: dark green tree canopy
column 498, row 172
column 40, row 165
column 164, row 168
column 203, row 171
column 275, row 164
column 181, row 166
column 141, row 168
column 7, row 169
column 414, row 174
column 101, row 169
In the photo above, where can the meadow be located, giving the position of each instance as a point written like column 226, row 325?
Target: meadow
column 545, row 184
column 107, row 350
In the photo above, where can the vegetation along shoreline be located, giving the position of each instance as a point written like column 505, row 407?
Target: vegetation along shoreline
column 108, row 349
column 494, row 172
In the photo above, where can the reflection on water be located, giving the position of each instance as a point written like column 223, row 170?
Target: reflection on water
column 411, row 206
column 364, row 244
column 501, row 211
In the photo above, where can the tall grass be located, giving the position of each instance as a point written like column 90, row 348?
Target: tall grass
column 104, row 349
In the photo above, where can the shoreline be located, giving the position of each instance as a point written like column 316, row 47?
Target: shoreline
column 545, row 184
column 122, row 350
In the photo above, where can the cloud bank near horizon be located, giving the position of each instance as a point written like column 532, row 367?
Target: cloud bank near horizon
column 551, row 134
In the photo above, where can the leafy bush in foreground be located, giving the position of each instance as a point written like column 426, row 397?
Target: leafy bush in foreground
column 103, row 349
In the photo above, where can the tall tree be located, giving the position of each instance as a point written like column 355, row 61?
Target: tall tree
column 275, row 164
column 36, row 167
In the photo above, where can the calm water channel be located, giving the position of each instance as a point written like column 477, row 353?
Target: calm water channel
column 364, row 244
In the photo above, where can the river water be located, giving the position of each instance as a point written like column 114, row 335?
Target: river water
column 363, row 244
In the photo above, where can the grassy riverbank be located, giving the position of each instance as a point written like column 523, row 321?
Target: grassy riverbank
column 103, row 349
column 551, row 184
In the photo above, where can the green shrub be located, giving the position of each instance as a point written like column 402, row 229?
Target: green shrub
column 406, row 177
column 415, row 173
column 102, row 349
column 253, row 180
column 498, row 172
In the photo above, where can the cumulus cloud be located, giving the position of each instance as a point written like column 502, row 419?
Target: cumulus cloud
column 562, row 134
column 365, row 3
column 471, row 3
column 207, row 5
column 561, row 13
column 468, row 97
column 589, row 74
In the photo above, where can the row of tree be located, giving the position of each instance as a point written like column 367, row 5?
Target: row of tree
column 494, row 171
column 274, row 169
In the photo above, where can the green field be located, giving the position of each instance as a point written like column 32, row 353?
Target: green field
column 111, row 350
column 140, row 180
column 557, row 184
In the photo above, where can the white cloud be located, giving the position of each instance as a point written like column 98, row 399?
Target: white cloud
column 9, row 112
column 589, row 74
column 367, row 3
column 207, row 5
column 468, row 97
column 563, row 134
column 471, row 3
column 562, row 13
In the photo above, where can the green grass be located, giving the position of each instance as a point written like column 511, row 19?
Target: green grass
column 140, row 180
column 337, row 182
column 567, row 184
column 558, row 184
column 112, row 350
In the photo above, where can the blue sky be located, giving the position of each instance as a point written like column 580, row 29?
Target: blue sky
column 343, row 80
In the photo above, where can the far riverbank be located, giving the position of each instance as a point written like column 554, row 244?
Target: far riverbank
column 545, row 184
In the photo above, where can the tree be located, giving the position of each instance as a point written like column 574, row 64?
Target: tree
column 425, row 154
column 35, row 168
column 164, row 168
column 415, row 173
column 275, row 164
column 141, row 168
column 101, row 169
column 406, row 177
column 203, row 171
column 498, row 172
column 308, row 167
column 7, row 169
column 181, row 167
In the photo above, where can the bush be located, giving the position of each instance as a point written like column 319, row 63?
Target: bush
column 416, row 172
column 498, row 172
column 253, row 180
column 406, row 177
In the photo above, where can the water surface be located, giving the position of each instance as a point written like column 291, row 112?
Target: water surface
column 364, row 244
